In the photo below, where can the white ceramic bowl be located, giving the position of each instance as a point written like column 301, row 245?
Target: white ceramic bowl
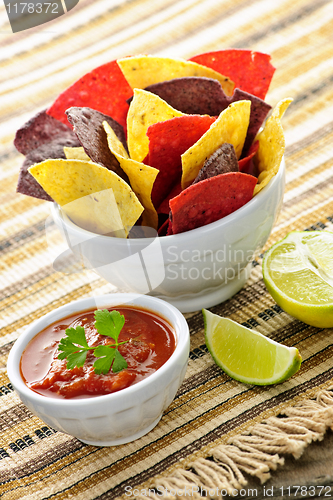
column 199, row 268
column 114, row 418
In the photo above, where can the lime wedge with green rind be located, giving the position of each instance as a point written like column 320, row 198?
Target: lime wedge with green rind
column 246, row 355
column 298, row 273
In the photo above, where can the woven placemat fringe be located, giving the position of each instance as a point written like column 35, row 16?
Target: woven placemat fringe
column 256, row 452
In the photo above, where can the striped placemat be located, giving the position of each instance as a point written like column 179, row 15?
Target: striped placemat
column 203, row 439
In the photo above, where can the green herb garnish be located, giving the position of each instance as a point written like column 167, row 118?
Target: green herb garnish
column 74, row 346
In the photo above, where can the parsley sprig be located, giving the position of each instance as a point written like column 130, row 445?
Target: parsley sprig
column 74, row 346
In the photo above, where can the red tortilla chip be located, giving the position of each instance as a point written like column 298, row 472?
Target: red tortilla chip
column 246, row 164
column 163, row 229
column 168, row 140
column 210, row 200
column 250, row 71
column 164, row 206
column 104, row 89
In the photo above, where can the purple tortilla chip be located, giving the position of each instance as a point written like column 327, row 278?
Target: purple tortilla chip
column 223, row 160
column 27, row 184
column 192, row 95
column 88, row 126
column 40, row 130
column 259, row 111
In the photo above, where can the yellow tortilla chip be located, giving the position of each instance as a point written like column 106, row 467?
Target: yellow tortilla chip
column 115, row 145
column 231, row 127
column 141, row 177
column 141, row 71
column 69, row 180
column 145, row 109
column 98, row 213
column 77, row 153
column 271, row 146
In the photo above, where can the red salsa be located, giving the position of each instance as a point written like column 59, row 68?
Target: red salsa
column 151, row 343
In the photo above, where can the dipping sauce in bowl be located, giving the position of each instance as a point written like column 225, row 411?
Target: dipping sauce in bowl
column 146, row 342
column 93, row 414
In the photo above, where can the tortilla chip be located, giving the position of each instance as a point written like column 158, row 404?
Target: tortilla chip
column 76, row 154
column 143, row 70
column 116, row 146
column 210, row 200
column 68, row 180
column 104, row 89
column 230, row 127
column 54, row 149
column 259, row 111
column 271, row 146
column 164, row 207
column 40, row 130
column 141, row 177
column 223, row 160
column 163, row 229
column 28, row 185
column 250, row 71
column 168, row 140
column 145, row 109
column 88, row 126
column 246, row 164
column 98, row 213
column 192, row 95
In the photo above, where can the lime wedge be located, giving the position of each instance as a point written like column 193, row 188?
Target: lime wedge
column 298, row 273
column 247, row 355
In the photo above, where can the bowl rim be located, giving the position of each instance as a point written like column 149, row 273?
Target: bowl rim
column 112, row 299
column 62, row 218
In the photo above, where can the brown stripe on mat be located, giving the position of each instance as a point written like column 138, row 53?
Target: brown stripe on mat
column 313, row 92
column 73, row 295
column 25, row 235
column 67, row 450
column 317, row 144
column 45, row 279
column 239, row 41
column 216, row 15
column 4, row 351
column 299, row 222
column 281, row 23
column 312, row 138
column 313, row 221
column 246, row 295
column 13, row 416
column 249, row 293
column 316, row 178
column 314, row 171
